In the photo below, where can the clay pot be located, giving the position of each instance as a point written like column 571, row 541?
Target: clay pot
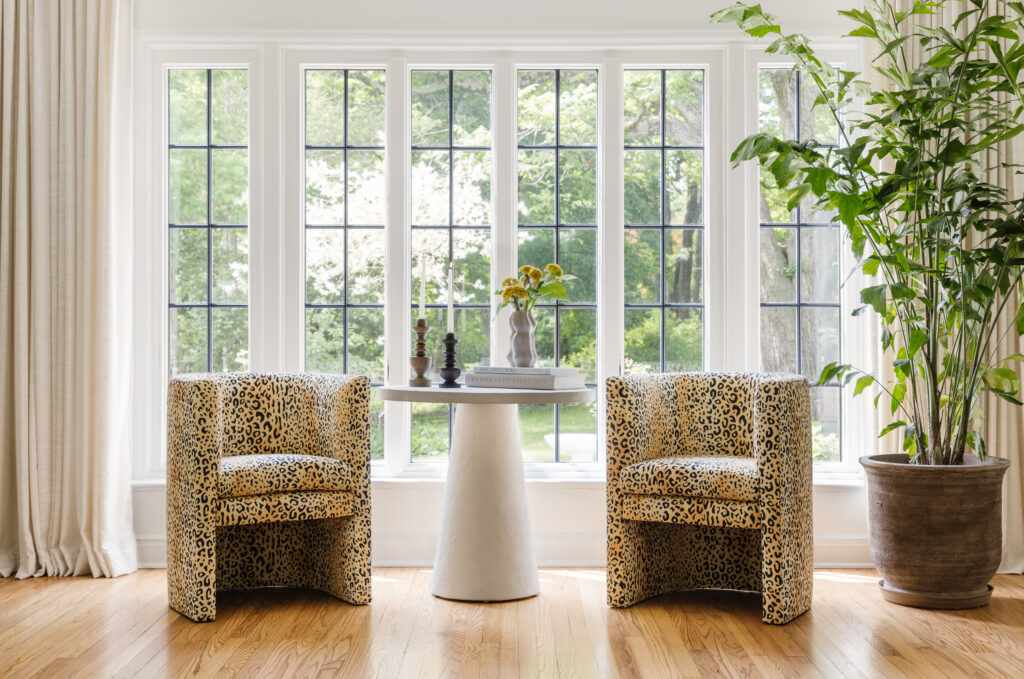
column 936, row 530
column 523, row 353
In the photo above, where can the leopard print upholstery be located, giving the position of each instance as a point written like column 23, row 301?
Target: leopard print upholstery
column 659, row 541
column 723, row 478
column 236, row 511
column 693, row 510
column 243, row 475
column 313, row 538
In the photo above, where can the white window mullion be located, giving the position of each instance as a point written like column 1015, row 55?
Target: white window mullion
column 398, row 262
column 610, row 278
column 290, row 287
column 726, row 292
column 503, row 257
column 268, row 237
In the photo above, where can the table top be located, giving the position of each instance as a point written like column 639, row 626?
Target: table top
column 484, row 395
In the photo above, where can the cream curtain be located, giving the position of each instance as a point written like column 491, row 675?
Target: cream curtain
column 65, row 262
column 1004, row 423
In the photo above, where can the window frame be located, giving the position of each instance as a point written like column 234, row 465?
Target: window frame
column 662, row 227
column 276, row 276
column 150, row 309
column 858, row 334
column 210, row 226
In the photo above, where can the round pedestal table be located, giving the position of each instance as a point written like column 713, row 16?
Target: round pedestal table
column 485, row 546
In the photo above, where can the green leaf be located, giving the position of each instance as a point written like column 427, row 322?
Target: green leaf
column 863, row 383
column 917, row 340
column 901, row 291
column 761, row 31
column 849, row 206
column 892, row 427
column 874, row 296
column 554, row 290
column 1002, row 381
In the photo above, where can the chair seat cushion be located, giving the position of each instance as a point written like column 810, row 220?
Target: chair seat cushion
column 246, row 475
column 719, row 477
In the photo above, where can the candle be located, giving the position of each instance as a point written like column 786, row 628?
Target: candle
column 423, row 286
column 451, row 296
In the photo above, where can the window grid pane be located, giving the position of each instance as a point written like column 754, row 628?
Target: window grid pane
column 344, row 228
column 799, row 253
column 664, row 191
column 451, row 222
column 208, row 205
column 557, row 176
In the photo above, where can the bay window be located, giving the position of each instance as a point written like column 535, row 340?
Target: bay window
column 371, row 171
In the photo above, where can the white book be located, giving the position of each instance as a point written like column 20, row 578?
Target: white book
column 508, row 370
column 512, row 381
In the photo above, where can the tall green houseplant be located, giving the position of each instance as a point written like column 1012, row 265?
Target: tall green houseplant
column 908, row 183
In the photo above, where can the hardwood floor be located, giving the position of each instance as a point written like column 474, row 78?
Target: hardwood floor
column 81, row 627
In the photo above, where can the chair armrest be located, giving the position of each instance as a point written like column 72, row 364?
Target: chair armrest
column 342, row 416
column 194, row 435
column 782, row 434
column 643, row 414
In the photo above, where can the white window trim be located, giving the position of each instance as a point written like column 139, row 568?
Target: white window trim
column 276, row 300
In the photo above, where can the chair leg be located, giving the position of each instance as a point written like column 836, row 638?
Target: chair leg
column 636, row 563
column 787, row 574
column 343, row 558
column 191, row 567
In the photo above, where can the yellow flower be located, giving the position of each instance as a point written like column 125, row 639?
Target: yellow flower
column 535, row 273
column 525, row 268
column 509, row 281
column 554, row 270
column 517, row 291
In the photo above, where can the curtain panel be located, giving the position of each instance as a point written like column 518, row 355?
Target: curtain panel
column 65, row 288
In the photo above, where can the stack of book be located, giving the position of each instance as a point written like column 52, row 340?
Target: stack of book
column 501, row 377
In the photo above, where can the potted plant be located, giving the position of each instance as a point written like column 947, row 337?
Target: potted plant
column 522, row 294
column 945, row 248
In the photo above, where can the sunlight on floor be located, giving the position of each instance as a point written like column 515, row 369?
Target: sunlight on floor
column 833, row 576
column 596, row 576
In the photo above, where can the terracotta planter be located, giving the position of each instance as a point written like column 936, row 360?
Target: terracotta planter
column 936, row 530
column 523, row 353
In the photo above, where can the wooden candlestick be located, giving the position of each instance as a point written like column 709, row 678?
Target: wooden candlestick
column 449, row 372
column 419, row 361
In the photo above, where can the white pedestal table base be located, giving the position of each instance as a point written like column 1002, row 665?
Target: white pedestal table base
column 485, row 549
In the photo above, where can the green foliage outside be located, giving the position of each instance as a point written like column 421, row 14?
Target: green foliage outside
column 227, row 249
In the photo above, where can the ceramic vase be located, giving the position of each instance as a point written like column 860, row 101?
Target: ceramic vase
column 523, row 353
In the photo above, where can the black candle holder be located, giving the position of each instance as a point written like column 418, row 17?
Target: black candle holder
column 449, row 372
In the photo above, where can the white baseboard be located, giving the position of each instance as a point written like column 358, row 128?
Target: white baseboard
column 573, row 550
column 568, row 524
column 842, row 551
column 152, row 551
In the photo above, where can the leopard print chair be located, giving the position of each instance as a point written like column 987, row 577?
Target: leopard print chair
column 709, row 486
column 267, row 484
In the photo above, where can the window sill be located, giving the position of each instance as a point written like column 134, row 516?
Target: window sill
column 838, row 479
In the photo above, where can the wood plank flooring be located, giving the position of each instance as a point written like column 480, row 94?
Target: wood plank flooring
column 81, row 627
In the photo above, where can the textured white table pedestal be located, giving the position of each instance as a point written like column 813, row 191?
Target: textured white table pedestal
column 485, row 548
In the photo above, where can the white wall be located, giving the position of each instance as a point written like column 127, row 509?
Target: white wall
column 568, row 516
column 427, row 18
